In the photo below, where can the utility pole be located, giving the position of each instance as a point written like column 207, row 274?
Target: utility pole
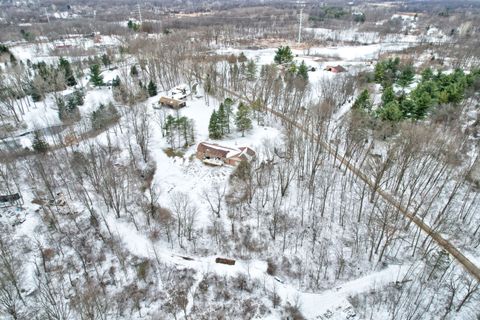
column 46, row 14
column 139, row 13
column 302, row 4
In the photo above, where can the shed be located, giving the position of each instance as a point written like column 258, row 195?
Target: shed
column 335, row 69
column 172, row 103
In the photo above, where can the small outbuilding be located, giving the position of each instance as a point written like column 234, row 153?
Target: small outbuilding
column 335, row 69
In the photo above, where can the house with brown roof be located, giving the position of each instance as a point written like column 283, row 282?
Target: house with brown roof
column 172, row 103
column 214, row 154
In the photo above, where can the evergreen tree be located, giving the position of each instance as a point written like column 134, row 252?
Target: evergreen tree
column 406, row 76
column 408, row 108
column 95, row 77
column 251, row 70
column 36, row 94
column 214, row 128
column 379, row 72
column 79, row 97
column 243, row 118
column 103, row 116
column 283, row 55
column 69, row 111
column 388, row 95
column 133, row 71
column 116, row 82
column 228, row 103
column 427, row 74
column 105, row 60
column 303, row 71
column 363, row 101
column 67, row 71
column 242, row 58
column 223, row 119
column 152, row 89
column 390, row 112
column 62, row 109
column 423, row 101
column 39, row 145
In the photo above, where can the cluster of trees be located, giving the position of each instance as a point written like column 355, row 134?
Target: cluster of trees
column 219, row 124
column 327, row 12
column 284, row 55
column 133, row 26
column 68, row 111
column 64, row 65
column 49, row 78
column 179, row 131
column 39, row 144
column 104, row 116
column 390, row 71
column 434, row 88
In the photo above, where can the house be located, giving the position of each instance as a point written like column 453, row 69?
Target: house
column 215, row 154
column 172, row 103
column 335, row 69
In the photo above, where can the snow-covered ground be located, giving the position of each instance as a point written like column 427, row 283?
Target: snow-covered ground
column 188, row 175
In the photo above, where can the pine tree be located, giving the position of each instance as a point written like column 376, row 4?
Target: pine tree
column 152, row 89
column 133, row 71
column 62, row 109
column 283, row 55
column 214, row 129
column 303, row 71
column 95, row 77
column 36, row 94
column 243, row 118
column 388, row 95
column 222, row 118
column 79, row 97
column 242, row 58
column 407, row 107
column 39, row 145
column 390, row 112
column 379, row 72
column 103, row 116
column 406, row 76
column 427, row 74
column 67, row 71
column 228, row 103
column 363, row 101
column 105, row 60
column 251, row 70
column 116, row 82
